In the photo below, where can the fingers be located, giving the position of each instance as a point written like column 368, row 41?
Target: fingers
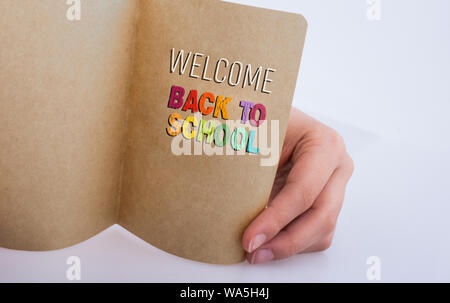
column 311, row 171
column 313, row 230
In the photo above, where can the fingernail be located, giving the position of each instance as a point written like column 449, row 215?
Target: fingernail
column 256, row 242
column 261, row 256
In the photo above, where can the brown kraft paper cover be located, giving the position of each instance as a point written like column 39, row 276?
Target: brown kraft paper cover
column 197, row 206
column 62, row 98
column 121, row 118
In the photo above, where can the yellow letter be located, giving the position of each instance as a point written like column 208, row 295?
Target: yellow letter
column 189, row 120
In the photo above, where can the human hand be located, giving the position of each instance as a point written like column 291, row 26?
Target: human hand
column 307, row 194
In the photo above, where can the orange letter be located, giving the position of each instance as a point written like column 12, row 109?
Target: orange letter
column 175, row 127
column 201, row 104
column 221, row 107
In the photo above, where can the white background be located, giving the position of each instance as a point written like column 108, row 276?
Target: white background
column 385, row 85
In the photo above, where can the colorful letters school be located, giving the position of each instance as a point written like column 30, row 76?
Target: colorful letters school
column 209, row 104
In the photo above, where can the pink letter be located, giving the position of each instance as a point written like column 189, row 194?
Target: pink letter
column 262, row 115
column 176, row 97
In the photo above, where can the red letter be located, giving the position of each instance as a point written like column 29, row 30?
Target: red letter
column 191, row 102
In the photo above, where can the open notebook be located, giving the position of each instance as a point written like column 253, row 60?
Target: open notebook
column 146, row 113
